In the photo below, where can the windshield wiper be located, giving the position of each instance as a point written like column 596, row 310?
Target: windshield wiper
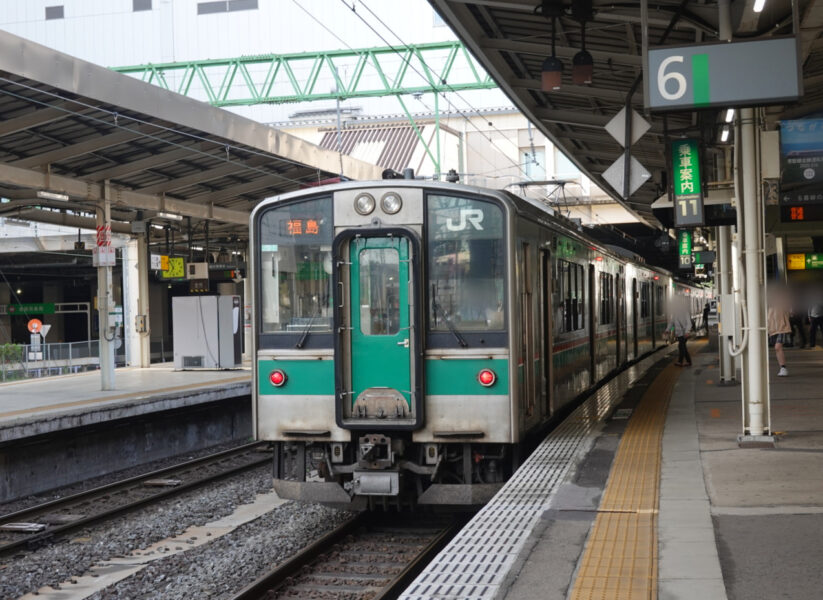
column 305, row 334
column 450, row 325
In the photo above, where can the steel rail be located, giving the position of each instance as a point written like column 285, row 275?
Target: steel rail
column 123, row 486
column 275, row 581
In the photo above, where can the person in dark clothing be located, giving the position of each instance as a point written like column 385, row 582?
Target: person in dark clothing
column 706, row 318
column 796, row 322
column 815, row 321
column 680, row 323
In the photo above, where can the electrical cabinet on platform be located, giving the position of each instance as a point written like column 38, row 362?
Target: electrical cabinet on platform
column 207, row 332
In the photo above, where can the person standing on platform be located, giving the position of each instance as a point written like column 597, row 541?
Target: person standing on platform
column 815, row 321
column 779, row 326
column 706, row 318
column 796, row 318
column 680, row 323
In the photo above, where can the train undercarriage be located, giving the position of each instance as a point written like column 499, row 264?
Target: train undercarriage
column 378, row 470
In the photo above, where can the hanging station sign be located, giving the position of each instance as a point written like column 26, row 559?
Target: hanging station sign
column 755, row 73
column 684, row 248
column 688, row 197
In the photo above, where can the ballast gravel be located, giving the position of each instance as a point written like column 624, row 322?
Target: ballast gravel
column 214, row 570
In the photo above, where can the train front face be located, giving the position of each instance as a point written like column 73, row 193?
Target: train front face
column 351, row 283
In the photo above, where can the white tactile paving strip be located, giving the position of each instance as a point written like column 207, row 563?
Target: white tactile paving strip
column 478, row 561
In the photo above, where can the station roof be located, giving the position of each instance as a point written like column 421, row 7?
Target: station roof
column 68, row 126
column 511, row 38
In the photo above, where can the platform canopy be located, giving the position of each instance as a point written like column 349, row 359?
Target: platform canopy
column 68, row 126
column 512, row 39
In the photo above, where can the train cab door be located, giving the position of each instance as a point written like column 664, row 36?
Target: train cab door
column 376, row 352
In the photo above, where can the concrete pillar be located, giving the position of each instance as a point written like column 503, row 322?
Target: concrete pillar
column 105, row 302
column 57, row 333
column 725, row 288
column 755, row 356
column 5, row 320
column 136, row 292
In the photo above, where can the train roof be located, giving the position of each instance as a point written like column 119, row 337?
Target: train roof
column 528, row 207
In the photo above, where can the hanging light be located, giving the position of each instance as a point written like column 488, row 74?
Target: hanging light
column 582, row 68
column 582, row 63
column 552, row 69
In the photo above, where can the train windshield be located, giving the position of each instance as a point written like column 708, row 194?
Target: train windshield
column 465, row 265
column 295, row 268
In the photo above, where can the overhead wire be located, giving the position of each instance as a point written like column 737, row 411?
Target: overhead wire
column 423, row 76
column 342, row 41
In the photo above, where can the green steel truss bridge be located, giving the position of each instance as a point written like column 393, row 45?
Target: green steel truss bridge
column 333, row 75
column 306, row 77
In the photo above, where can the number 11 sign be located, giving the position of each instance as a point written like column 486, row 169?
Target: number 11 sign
column 688, row 197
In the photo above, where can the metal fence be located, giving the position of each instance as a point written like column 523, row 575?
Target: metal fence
column 23, row 361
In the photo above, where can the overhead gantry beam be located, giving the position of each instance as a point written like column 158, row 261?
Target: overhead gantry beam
column 93, row 192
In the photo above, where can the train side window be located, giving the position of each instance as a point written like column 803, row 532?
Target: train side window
column 572, row 294
column 660, row 300
column 644, row 299
column 606, row 298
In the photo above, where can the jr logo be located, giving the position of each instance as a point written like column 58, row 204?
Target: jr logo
column 467, row 215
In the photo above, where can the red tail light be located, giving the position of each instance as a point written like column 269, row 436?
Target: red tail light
column 277, row 378
column 486, row 377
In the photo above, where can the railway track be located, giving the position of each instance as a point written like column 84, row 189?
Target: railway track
column 369, row 557
column 31, row 527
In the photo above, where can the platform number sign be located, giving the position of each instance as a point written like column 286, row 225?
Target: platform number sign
column 688, row 196
column 684, row 248
column 754, row 73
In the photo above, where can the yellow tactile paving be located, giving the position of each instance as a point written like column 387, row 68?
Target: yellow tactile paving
column 620, row 559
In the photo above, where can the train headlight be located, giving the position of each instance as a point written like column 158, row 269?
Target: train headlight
column 391, row 203
column 486, row 377
column 277, row 378
column 364, row 204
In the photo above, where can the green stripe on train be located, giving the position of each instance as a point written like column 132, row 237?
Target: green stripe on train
column 304, row 377
column 443, row 377
column 458, row 377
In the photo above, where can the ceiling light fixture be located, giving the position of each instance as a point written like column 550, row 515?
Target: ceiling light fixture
column 758, row 5
column 724, row 134
column 52, row 195
column 729, row 115
column 171, row 216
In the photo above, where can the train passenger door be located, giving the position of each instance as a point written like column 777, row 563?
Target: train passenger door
column 592, row 328
column 383, row 376
column 546, row 303
column 634, row 315
column 620, row 318
column 527, row 328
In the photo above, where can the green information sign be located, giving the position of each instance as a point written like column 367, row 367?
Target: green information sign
column 688, row 197
column 41, row 308
column 814, row 261
column 684, row 248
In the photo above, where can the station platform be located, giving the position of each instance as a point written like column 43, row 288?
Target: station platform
column 46, row 405
column 644, row 492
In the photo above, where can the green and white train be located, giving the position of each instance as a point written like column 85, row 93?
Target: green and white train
column 410, row 335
